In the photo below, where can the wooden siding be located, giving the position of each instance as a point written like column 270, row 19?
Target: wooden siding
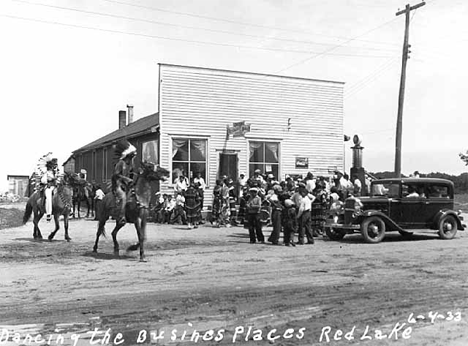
column 304, row 116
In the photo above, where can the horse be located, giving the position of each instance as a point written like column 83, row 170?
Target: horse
column 83, row 192
column 61, row 205
column 136, row 208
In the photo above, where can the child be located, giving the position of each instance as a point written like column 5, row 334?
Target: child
column 170, row 205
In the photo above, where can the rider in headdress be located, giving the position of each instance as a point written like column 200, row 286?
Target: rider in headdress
column 122, row 179
column 47, row 171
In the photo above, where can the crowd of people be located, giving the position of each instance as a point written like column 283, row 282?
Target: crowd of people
column 186, row 204
column 293, row 205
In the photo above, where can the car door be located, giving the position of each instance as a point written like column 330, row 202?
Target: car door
column 413, row 207
column 439, row 198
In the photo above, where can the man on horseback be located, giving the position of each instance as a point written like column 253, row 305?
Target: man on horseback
column 48, row 172
column 122, row 179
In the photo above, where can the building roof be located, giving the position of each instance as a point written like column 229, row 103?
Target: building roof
column 138, row 127
column 16, row 176
column 252, row 73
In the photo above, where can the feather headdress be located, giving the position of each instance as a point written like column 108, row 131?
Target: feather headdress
column 124, row 148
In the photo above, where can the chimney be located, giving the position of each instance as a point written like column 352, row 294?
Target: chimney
column 130, row 114
column 122, row 119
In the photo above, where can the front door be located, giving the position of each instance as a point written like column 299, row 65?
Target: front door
column 228, row 165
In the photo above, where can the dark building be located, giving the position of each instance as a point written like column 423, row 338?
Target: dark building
column 95, row 161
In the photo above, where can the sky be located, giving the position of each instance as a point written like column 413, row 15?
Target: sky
column 68, row 66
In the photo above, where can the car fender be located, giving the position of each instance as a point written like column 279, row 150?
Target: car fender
column 388, row 221
column 445, row 212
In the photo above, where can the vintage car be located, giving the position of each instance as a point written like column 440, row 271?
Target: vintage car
column 398, row 204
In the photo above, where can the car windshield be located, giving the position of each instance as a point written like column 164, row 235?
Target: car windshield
column 387, row 189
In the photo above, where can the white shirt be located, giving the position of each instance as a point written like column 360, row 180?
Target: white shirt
column 99, row 194
column 200, row 181
column 181, row 185
column 306, row 205
column 310, row 186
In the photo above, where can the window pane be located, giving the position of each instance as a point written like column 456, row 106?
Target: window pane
column 253, row 167
column 180, row 150
column 179, row 168
column 258, row 153
column 197, row 150
column 198, row 167
column 275, row 170
column 150, row 151
column 271, row 152
column 436, row 191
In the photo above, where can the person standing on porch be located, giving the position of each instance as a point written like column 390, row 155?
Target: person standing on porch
column 192, row 206
column 181, row 184
column 201, row 187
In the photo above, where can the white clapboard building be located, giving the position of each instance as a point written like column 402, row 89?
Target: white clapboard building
column 220, row 122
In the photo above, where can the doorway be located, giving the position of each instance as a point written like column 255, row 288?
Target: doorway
column 228, row 165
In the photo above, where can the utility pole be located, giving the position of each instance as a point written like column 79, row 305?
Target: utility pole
column 401, row 97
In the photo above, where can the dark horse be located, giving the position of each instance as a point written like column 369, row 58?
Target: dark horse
column 61, row 205
column 83, row 192
column 136, row 208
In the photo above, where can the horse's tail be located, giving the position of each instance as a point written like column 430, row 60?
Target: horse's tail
column 27, row 212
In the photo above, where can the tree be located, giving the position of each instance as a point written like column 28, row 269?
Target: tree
column 464, row 157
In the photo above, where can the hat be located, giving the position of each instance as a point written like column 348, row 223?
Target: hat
column 124, row 149
column 242, row 174
column 271, row 176
column 253, row 189
column 288, row 203
column 258, row 171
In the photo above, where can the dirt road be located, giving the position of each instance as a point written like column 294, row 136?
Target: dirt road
column 210, row 286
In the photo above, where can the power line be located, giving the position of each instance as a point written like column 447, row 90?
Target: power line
column 359, row 86
column 376, row 71
column 187, row 40
column 335, row 47
column 244, row 23
column 192, row 27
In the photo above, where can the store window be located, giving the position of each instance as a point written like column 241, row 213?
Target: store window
column 188, row 157
column 264, row 156
column 150, row 151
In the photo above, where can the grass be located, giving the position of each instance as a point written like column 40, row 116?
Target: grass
column 11, row 217
column 461, row 202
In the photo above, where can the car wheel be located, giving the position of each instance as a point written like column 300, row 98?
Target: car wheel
column 334, row 234
column 373, row 229
column 448, row 227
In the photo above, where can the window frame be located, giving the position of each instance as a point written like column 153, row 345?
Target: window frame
column 264, row 163
column 189, row 162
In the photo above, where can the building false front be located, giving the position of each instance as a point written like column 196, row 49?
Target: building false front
column 220, row 122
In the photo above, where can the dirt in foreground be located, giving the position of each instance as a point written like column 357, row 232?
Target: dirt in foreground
column 398, row 292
